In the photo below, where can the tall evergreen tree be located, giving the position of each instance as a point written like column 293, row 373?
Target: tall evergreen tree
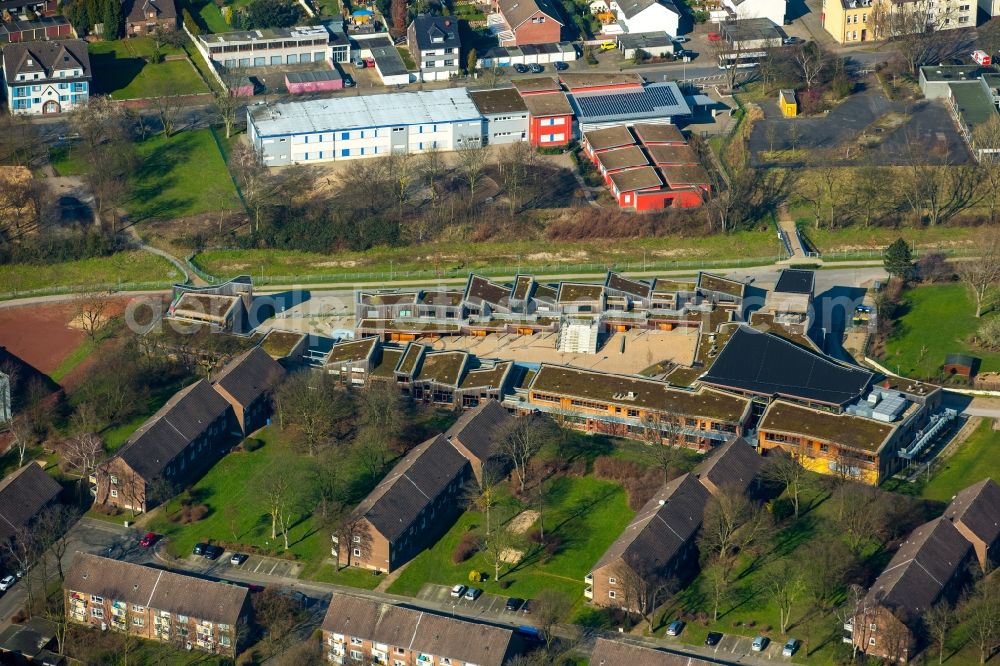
column 112, row 19
column 898, row 260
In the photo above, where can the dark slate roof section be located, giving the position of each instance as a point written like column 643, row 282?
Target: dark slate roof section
column 414, row 483
column 164, row 9
column 661, row 528
column 479, row 429
column 770, row 365
column 171, row 429
column 45, row 57
column 250, row 376
column 978, row 508
column 397, row 626
column 920, row 569
column 22, row 495
column 155, row 588
column 436, row 32
column 734, row 464
column 794, row 281
column 618, row 653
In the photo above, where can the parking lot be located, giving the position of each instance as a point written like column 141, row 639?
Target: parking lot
column 255, row 564
column 487, row 604
column 733, row 647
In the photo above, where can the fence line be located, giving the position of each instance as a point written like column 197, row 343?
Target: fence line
column 77, row 289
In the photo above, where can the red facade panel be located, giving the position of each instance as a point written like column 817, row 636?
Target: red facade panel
column 550, row 130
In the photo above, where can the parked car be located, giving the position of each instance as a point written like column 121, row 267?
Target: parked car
column 6, row 583
column 685, row 53
column 348, row 81
column 148, row 540
column 473, row 593
column 609, row 46
column 458, row 590
column 238, row 558
column 360, row 63
column 791, row 647
column 536, row 68
column 514, row 603
column 675, row 628
column 369, row 62
column 213, row 552
column 199, row 548
column 791, row 41
column 526, row 607
column 713, row 638
column 760, row 643
column 682, row 39
column 560, row 66
column 519, row 68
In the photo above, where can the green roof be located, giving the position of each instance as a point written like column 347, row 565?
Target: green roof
column 973, row 103
column 410, row 358
column 852, row 431
column 571, row 292
column 443, row 367
column 351, row 351
column 280, row 344
column 387, row 366
column 721, row 284
column 484, row 377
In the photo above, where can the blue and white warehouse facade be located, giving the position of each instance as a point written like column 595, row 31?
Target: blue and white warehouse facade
column 349, row 128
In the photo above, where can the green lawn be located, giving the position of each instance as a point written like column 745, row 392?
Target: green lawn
column 456, row 259
column 231, row 482
column 121, row 268
column 856, row 240
column 206, row 14
column 587, row 513
column 977, row 458
column 124, row 74
column 66, row 161
column 180, row 175
column 939, row 320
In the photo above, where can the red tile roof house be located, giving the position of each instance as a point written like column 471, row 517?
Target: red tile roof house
column 189, row 612
column 364, row 631
column 528, row 22
column 658, row 546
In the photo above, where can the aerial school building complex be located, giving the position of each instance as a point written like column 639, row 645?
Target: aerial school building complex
column 766, row 378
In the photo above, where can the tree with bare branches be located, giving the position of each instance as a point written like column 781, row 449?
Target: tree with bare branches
column 981, row 612
column 92, row 312
column 810, row 60
column 981, row 273
column 732, row 525
column 938, row 621
column 521, row 440
column 353, row 535
column 472, row 162
column 782, row 468
column 661, row 433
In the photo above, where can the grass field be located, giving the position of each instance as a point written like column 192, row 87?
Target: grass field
column 206, row 14
column 858, row 238
column 124, row 74
column 976, row 458
column 66, row 161
column 458, row 258
column 586, row 512
column 939, row 320
column 180, row 175
column 124, row 267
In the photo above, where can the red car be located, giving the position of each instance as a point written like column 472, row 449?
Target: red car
column 369, row 62
column 714, row 37
column 148, row 540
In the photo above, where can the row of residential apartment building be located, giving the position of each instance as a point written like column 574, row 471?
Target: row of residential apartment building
column 541, row 110
column 855, row 21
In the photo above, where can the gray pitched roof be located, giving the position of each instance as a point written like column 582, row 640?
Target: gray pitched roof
column 22, row 495
column 420, row 477
column 436, row 32
column 453, row 638
column 44, row 57
column 172, row 428
column 661, row 528
column 154, row 588
column 618, row 653
column 921, row 568
column 250, row 375
column 480, row 428
column 735, row 463
column 633, row 7
column 978, row 508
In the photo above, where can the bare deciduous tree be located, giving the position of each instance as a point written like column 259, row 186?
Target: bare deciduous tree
column 981, row 273
column 520, row 441
column 784, row 587
column 354, row 535
column 472, row 162
column 782, row 468
column 92, row 311
column 938, row 621
column 981, row 612
column 661, row 433
column 732, row 525
column 810, row 61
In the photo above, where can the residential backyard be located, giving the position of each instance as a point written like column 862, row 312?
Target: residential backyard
column 938, row 320
column 975, row 459
column 123, row 71
column 585, row 513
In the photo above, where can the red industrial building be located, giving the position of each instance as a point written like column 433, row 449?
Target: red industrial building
column 550, row 116
column 648, row 166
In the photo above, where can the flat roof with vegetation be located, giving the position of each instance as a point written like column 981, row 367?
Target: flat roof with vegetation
column 486, row 377
column 280, row 344
column 443, row 367
column 178, row 334
column 355, row 350
column 648, row 394
column 405, row 326
column 387, row 366
column 410, row 358
column 571, row 292
column 721, row 284
column 851, row 431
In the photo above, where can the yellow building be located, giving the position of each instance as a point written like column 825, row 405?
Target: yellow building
column 849, row 21
column 786, row 100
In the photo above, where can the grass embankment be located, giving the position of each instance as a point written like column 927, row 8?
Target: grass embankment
column 121, row 268
column 858, row 239
column 458, row 258
column 937, row 320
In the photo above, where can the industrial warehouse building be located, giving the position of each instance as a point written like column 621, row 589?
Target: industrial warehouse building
column 325, row 130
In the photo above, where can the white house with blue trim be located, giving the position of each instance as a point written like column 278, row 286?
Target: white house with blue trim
column 46, row 77
column 348, row 128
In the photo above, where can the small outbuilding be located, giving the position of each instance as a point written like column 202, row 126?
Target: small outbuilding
column 786, row 100
column 317, row 81
column 960, row 364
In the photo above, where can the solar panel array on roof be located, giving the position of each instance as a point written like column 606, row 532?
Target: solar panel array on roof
column 646, row 100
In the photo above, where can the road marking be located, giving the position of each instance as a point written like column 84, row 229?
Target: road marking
column 272, row 569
